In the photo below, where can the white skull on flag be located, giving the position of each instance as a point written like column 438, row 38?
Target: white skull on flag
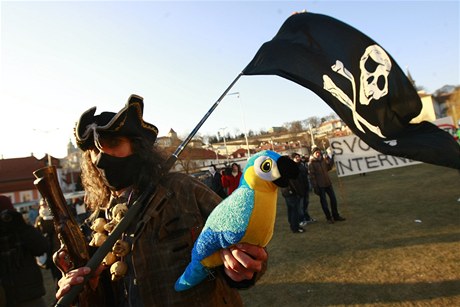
column 375, row 65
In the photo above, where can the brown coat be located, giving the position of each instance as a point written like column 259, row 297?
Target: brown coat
column 319, row 172
column 163, row 243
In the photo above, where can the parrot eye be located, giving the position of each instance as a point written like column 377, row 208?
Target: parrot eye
column 266, row 166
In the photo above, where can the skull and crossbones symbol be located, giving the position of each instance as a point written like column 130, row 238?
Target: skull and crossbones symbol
column 373, row 80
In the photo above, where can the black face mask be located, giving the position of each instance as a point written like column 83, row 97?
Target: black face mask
column 118, row 173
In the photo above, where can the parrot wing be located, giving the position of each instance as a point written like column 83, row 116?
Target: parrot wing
column 225, row 226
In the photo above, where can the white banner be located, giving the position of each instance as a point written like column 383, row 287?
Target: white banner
column 353, row 156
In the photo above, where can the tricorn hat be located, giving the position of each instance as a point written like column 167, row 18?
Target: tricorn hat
column 127, row 122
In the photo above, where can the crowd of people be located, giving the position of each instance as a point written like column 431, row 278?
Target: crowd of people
column 226, row 180
column 313, row 176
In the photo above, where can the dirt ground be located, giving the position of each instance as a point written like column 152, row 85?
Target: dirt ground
column 50, row 288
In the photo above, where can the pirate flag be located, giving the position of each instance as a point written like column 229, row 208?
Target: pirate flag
column 360, row 81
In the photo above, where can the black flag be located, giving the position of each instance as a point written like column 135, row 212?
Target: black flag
column 360, row 81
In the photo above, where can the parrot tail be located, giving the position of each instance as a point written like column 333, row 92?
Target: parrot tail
column 193, row 275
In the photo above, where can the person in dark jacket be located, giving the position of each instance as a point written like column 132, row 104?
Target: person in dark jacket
column 304, row 182
column 119, row 163
column 216, row 182
column 319, row 168
column 20, row 243
column 293, row 207
column 294, row 196
column 45, row 224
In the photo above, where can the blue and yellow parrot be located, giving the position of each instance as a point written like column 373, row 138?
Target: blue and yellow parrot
column 247, row 215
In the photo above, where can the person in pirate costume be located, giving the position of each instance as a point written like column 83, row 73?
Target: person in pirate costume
column 119, row 161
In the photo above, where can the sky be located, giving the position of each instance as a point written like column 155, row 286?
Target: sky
column 60, row 58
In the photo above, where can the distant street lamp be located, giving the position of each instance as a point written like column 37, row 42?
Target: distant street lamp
column 312, row 138
column 225, row 142
column 216, row 152
column 244, row 122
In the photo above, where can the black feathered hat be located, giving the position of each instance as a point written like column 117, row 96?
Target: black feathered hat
column 127, row 122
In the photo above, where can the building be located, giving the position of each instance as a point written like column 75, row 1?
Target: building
column 449, row 101
column 17, row 179
column 329, row 128
column 70, row 173
column 242, row 153
column 194, row 159
column 169, row 140
column 430, row 108
column 276, row 129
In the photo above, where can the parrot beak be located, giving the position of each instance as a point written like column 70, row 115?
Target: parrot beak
column 288, row 170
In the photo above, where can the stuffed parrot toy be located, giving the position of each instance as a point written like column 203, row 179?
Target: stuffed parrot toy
column 247, row 215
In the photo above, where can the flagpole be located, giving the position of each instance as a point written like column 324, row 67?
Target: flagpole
column 311, row 135
column 244, row 123
column 173, row 158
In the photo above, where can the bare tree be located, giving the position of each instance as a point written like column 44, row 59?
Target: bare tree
column 263, row 132
column 185, row 160
column 295, row 126
column 331, row 116
column 212, row 139
column 314, row 121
